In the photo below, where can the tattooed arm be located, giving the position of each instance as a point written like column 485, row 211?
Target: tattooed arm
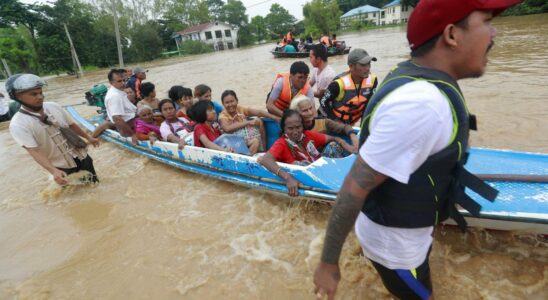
column 357, row 185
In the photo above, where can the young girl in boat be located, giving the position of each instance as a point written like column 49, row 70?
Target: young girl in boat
column 173, row 129
column 146, row 127
column 203, row 92
column 235, row 119
column 182, row 97
column 203, row 113
column 296, row 146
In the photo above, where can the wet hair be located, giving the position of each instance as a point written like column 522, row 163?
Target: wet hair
column 299, row 67
column 319, row 51
column 228, row 93
column 164, row 102
column 429, row 45
column 119, row 72
column 147, row 88
column 289, row 113
column 201, row 89
column 177, row 92
column 198, row 111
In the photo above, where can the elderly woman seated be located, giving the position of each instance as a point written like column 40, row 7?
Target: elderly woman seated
column 235, row 119
column 296, row 146
column 146, row 128
column 303, row 105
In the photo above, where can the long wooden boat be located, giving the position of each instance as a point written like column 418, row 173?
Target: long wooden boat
column 278, row 54
column 520, row 177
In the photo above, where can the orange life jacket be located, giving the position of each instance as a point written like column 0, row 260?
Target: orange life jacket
column 349, row 104
column 289, row 37
column 286, row 95
column 325, row 40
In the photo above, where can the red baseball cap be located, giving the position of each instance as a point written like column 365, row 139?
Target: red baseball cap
column 430, row 17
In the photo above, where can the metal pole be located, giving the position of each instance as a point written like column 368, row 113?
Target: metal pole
column 117, row 30
column 6, row 67
column 79, row 71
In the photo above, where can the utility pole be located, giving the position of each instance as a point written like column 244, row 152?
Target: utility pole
column 6, row 67
column 75, row 61
column 117, row 30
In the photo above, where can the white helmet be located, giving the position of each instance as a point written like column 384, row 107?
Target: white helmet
column 23, row 82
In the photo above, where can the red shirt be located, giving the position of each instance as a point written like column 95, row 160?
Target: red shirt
column 281, row 151
column 210, row 133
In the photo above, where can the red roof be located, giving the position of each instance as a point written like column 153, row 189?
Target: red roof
column 196, row 28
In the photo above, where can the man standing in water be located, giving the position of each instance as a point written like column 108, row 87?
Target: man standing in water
column 408, row 176
column 36, row 128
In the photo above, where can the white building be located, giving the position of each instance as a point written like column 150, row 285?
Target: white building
column 392, row 13
column 219, row 35
column 395, row 13
column 363, row 14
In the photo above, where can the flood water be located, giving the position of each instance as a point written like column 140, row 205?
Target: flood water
column 149, row 231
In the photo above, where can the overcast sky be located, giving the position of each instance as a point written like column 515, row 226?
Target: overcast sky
column 254, row 7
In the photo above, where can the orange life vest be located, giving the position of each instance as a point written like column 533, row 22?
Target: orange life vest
column 325, row 40
column 289, row 37
column 286, row 95
column 352, row 99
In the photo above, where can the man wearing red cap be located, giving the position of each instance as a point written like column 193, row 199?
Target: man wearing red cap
column 409, row 174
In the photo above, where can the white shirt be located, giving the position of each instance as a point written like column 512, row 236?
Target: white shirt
column 117, row 104
column 29, row 132
column 165, row 130
column 321, row 80
column 410, row 124
column 4, row 105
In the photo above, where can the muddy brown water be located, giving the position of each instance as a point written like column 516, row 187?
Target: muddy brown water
column 149, row 231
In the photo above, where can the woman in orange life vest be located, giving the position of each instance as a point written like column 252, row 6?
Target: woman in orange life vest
column 287, row 86
column 347, row 95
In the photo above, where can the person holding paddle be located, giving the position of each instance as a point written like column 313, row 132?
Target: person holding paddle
column 409, row 173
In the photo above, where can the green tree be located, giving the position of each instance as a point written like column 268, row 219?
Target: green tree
column 215, row 8
column 321, row 17
column 258, row 28
column 188, row 12
column 279, row 21
column 146, row 44
column 233, row 12
column 17, row 49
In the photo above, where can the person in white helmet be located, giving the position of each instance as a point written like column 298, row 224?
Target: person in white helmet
column 41, row 128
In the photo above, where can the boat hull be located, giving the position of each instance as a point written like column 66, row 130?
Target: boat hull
column 519, row 206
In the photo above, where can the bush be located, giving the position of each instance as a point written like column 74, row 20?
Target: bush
column 195, row 47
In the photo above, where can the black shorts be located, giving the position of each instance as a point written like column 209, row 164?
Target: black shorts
column 84, row 164
column 407, row 284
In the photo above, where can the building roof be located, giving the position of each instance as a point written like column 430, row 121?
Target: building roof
column 393, row 3
column 360, row 10
column 196, row 28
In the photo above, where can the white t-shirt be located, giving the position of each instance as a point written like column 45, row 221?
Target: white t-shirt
column 29, row 132
column 117, row 104
column 165, row 130
column 4, row 105
column 410, row 124
column 321, row 80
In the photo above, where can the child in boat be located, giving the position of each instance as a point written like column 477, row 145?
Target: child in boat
column 148, row 92
column 203, row 92
column 203, row 113
column 145, row 126
column 173, row 129
column 182, row 97
column 235, row 119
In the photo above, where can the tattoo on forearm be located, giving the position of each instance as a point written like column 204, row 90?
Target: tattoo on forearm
column 348, row 205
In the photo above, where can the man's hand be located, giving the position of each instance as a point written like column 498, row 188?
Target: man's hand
column 181, row 143
column 93, row 141
column 59, row 176
column 134, row 140
column 326, row 279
